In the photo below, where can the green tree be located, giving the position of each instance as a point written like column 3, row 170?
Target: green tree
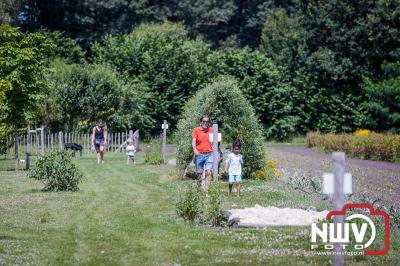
column 219, row 22
column 9, row 10
column 266, row 86
column 383, row 99
column 22, row 68
column 66, row 48
column 223, row 101
column 335, row 42
column 282, row 38
column 82, row 94
column 90, row 20
column 162, row 56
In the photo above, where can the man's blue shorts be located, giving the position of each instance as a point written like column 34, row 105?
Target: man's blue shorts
column 204, row 161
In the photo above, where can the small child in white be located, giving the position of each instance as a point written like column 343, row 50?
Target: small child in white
column 130, row 151
column 233, row 166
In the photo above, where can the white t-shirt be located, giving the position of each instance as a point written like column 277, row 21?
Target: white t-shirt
column 235, row 164
column 130, row 150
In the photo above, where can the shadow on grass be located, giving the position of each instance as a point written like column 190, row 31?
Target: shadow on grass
column 7, row 238
column 35, row 190
column 11, row 169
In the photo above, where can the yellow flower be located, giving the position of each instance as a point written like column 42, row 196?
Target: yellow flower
column 279, row 173
column 362, row 132
column 272, row 163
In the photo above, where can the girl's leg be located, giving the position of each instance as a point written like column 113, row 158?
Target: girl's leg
column 230, row 185
column 238, row 189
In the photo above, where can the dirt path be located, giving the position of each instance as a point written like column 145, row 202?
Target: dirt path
column 374, row 179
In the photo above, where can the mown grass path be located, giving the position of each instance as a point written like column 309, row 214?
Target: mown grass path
column 125, row 215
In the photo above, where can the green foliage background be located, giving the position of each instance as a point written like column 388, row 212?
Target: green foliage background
column 163, row 56
column 329, row 66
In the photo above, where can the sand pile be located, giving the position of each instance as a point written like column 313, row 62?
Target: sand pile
column 259, row 216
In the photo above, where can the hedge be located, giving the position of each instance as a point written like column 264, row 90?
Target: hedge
column 374, row 146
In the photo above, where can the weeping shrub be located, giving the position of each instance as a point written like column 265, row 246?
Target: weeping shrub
column 57, row 171
column 223, row 101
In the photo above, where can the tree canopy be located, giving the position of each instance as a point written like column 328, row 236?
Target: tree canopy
column 303, row 65
column 22, row 69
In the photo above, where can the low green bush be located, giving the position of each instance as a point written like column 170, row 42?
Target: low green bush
column 212, row 213
column 57, row 171
column 154, row 155
column 190, row 204
column 194, row 206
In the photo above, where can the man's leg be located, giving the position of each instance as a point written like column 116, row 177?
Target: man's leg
column 199, row 162
column 209, row 176
column 209, row 173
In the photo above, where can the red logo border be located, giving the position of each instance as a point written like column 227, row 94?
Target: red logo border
column 372, row 211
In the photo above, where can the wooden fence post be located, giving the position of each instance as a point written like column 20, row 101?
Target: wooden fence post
column 60, row 140
column 42, row 139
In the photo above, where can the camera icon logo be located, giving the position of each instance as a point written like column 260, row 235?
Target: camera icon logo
column 358, row 232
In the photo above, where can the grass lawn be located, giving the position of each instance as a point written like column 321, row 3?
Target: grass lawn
column 125, row 215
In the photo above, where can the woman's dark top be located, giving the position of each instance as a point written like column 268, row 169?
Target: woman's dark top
column 99, row 134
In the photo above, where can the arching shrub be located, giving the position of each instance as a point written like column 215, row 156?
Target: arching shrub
column 225, row 104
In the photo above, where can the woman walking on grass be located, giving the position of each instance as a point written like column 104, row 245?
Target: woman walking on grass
column 99, row 139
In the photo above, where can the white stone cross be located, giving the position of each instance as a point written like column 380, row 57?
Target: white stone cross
column 337, row 184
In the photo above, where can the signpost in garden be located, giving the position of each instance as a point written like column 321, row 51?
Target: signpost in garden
column 164, row 127
column 215, row 137
column 28, row 148
column 338, row 184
